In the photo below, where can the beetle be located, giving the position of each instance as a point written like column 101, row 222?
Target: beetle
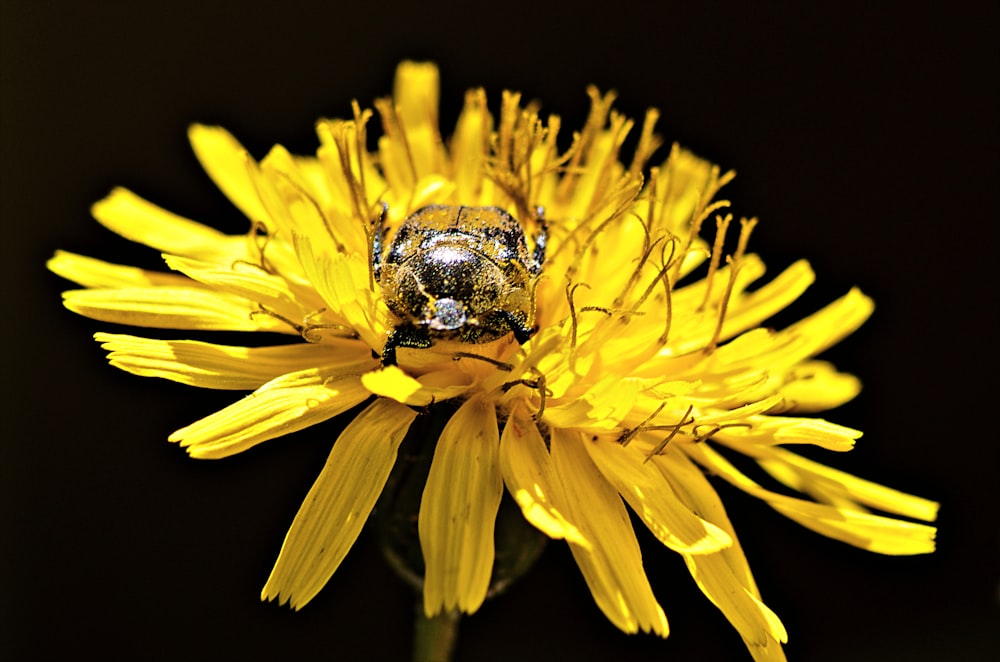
column 458, row 273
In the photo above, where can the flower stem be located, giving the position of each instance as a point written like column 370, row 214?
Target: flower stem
column 434, row 637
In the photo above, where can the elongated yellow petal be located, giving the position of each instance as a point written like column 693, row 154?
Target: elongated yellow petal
column 282, row 406
column 831, row 481
column 612, row 563
column 527, row 472
column 697, row 493
column 815, row 386
column 172, row 308
column 137, row 219
column 469, row 145
column 603, row 406
column 644, row 488
column 755, row 622
column 343, row 284
column 208, row 365
column 392, row 382
column 725, row 576
column 335, row 510
column 91, row 272
column 274, row 293
column 415, row 95
column 861, row 529
column 458, row 510
column 226, row 162
column 774, row 430
column 833, row 322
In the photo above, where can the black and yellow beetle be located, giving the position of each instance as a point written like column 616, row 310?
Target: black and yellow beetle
column 458, row 273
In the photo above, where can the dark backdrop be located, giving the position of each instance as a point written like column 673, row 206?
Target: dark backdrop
column 864, row 138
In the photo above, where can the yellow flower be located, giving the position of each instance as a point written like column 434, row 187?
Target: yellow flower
column 640, row 379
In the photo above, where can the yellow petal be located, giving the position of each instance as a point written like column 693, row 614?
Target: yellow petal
column 208, row 365
column 774, row 430
column 831, row 324
column 872, row 532
column 697, row 493
column 829, row 480
column 458, row 510
column 282, row 406
column 415, row 94
column 644, row 488
column 755, row 622
column 172, row 308
column 527, row 472
column 226, row 162
column 251, row 283
column 91, row 272
column 612, row 563
column 137, row 219
column 753, row 308
column 469, row 145
column 392, row 382
column 603, row 406
column 724, row 577
column 815, row 386
column 334, row 511
column 342, row 282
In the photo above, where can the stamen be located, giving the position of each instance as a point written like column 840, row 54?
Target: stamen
column 319, row 210
column 500, row 365
column 736, row 263
column 651, row 199
column 257, row 231
column 570, row 291
column 259, row 236
column 537, row 384
column 392, row 125
column 746, row 227
column 599, row 108
column 674, row 431
column 628, row 435
column 698, row 217
column 358, row 198
column 307, row 330
column 669, row 291
column 721, row 227
column 698, row 437
column 661, row 275
column 619, row 129
column 361, row 118
column 626, row 191
column 734, row 270
column 649, row 142
column 601, row 309
column 647, row 251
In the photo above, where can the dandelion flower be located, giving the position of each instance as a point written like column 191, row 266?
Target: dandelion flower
column 646, row 369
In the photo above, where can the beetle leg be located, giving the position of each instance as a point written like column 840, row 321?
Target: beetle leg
column 378, row 235
column 540, row 240
column 522, row 333
column 405, row 335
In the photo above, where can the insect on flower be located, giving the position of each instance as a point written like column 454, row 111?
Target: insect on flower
column 458, row 273
column 636, row 374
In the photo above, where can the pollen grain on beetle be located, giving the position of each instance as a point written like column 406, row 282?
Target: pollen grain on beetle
column 597, row 351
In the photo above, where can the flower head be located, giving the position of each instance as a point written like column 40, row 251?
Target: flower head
column 641, row 367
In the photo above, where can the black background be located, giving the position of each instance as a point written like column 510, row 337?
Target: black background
column 865, row 140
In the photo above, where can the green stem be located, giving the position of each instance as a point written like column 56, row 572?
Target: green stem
column 434, row 637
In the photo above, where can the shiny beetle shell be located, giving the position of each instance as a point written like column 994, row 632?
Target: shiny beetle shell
column 458, row 273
